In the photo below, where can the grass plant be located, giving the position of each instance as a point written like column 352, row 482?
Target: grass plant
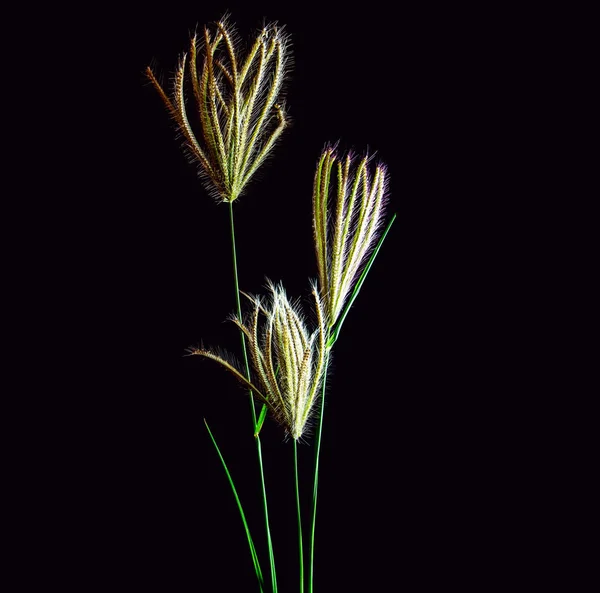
column 239, row 109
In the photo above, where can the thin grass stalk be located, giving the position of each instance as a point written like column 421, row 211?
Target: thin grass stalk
column 300, row 546
column 316, row 486
column 254, row 425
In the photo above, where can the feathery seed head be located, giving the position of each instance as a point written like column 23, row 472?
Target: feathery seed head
column 238, row 102
column 346, row 224
column 288, row 361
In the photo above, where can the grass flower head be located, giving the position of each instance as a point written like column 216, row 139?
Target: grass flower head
column 346, row 224
column 238, row 104
column 288, row 361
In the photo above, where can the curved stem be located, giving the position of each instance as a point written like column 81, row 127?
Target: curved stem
column 253, row 410
column 255, row 561
column 300, row 549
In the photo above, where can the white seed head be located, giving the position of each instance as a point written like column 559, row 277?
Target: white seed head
column 288, row 360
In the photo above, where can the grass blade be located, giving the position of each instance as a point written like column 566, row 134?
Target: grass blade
column 359, row 284
column 239, row 504
column 261, row 419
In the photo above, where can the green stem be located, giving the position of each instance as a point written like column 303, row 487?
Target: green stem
column 316, row 484
column 300, row 549
column 239, row 307
column 266, row 510
column 257, row 438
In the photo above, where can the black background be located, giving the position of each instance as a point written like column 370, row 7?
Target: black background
column 417, row 444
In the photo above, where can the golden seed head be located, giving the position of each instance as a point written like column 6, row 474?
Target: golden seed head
column 238, row 104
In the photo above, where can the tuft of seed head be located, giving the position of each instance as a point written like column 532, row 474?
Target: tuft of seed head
column 288, row 361
column 346, row 222
column 238, row 103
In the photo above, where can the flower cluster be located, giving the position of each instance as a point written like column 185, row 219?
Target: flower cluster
column 346, row 225
column 238, row 100
column 288, row 361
